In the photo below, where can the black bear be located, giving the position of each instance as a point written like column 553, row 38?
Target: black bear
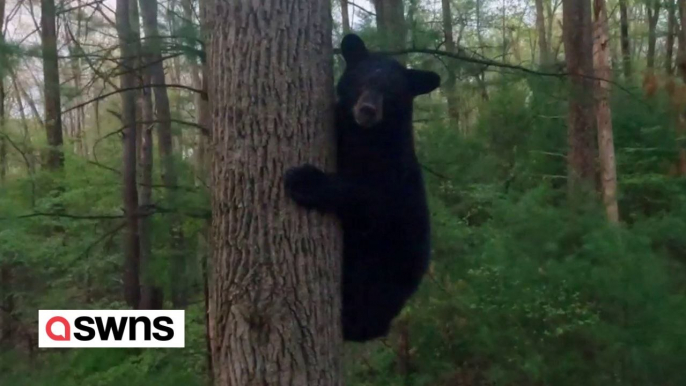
column 378, row 190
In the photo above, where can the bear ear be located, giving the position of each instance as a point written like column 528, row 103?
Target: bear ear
column 422, row 82
column 353, row 49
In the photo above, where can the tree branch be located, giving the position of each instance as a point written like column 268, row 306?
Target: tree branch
column 103, row 96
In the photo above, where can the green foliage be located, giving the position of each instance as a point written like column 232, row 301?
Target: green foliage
column 527, row 290
column 524, row 288
column 105, row 367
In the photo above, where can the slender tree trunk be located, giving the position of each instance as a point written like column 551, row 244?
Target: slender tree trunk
column 74, row 129
column 25, row 95
column 579, row 56
column 153, row 45
column 480, row 77
column 204, row 119
column 25, row 125
column 275, row 273
column 550, row 11
column 671, row 34
column 681, row 66
column 606, row 147
column 151, row 293
column 450, row 86
column 3, row 132
column 345, row 16
column 681, row 52
column 390, row 22
column 51, row 77
column 544, row 60
column 624, row 31
column 198, row 78
column 127, row 79
column 6, row 292
column 653, row 13
column 7, row 327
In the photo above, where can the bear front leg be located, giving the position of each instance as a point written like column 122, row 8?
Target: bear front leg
column 310, row 188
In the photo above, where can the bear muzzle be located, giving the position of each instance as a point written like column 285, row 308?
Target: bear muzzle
column 368, row 111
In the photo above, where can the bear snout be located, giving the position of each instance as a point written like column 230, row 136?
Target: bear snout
column 368, row 110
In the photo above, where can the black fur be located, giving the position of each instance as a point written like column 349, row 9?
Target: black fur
column 378, row 191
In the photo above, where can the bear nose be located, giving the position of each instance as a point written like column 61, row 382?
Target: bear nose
column 368, row 110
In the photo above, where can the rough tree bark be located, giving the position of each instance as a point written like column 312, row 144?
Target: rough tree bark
column 153, row 46
column 606, row 147
column 624, row 31
column 127, row 79
column 274, row 290
column 653, row 15
column 577, row 33
column 544, row 58
column 51, row 77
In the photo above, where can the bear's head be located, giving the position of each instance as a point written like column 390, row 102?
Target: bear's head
column 376, row 87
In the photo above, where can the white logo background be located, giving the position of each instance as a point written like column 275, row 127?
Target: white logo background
column 177, row 324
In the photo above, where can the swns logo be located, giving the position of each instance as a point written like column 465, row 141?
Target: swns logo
column 110, row 328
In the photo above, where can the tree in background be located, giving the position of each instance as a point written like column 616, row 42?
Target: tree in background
column 579, row 56
column 390, row 21
column 653, row 15
column 127, row 80
column 624, row 31
column 606, row 144
column 51, row 76
column 450, row 85
column 275, row 275
column 544, row 51
column 672, row 25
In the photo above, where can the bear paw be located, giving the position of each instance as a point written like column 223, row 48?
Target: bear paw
column 304, row 185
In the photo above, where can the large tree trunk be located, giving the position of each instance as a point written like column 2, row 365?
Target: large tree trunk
column 579, row 56
column 653, row 14
column 671, row 34
column 390, row 22
column 51, row 78
column 606, row 147
column 127, row 80
column 450, row 86
column 275, row 283
column 153, row 45
column 544, row 59
column 624, row 31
